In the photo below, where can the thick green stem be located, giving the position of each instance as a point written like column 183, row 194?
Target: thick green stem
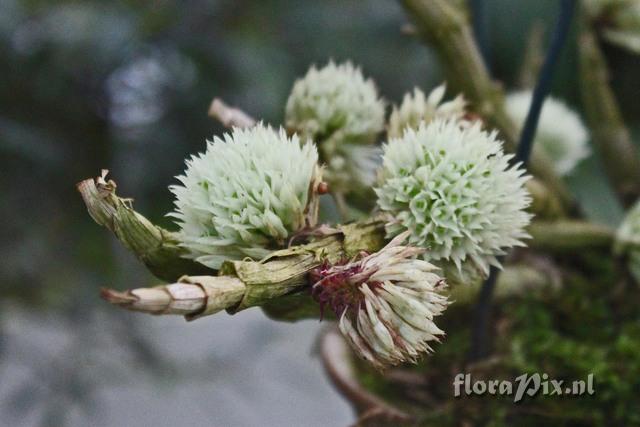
column 609, row 133
column 566, row 236
column 449, row 32
column 244, row 284
column 279, row 282
column 514, row 281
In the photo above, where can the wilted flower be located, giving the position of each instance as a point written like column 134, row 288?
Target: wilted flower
column 618, row 20
column 416, row 109
column 246, row 195
column 335, row 104
column 561, row 135
column 386, row 303
column 628, row 239
column 453, row 188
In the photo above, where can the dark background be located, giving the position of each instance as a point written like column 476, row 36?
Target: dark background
column 126, row 85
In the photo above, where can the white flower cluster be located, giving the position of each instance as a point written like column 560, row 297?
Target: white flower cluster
column 386, row 303
column 453, row 188
column 621, row 21
column 416, row 108
column 628, row 239
column 561, row 135
column 337, row 108
column 335, row 103
column 246, row 195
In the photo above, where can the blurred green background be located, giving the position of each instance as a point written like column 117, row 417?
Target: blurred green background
column 126, row 85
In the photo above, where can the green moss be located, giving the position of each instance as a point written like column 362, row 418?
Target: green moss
column 588, row 328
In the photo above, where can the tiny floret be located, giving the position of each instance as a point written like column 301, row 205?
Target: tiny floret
column 246, row 195
column 386, row 303
column 335, row 104
column 416, row 108
column 561, row 135
column 455, row 191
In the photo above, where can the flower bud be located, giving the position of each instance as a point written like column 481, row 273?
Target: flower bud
column 416, row 109
column 561, row 135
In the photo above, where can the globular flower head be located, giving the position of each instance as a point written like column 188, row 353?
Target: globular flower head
column 246, row 195
column 416, row 108
column 618, row 20
column 628, row 239
column 386, row 303
column 453, row 189
column 335, row 104
column 561, row 135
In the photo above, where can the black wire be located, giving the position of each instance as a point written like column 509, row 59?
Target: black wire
column 482, row 312
column 543, row 85
column 479, row 333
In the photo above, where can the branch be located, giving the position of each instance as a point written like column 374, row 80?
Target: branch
column 276, row 282
column 229, row 116
column 191, row 297
column 514, row 281
column 156, row 247
column 609, row 133
column 246, row 283
column 566, row 236
column 447, row 29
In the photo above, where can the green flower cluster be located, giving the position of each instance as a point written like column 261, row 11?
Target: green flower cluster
column 453, row 188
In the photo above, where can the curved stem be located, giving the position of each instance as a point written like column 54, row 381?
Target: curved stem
column 335, row 355
column 157, row 248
